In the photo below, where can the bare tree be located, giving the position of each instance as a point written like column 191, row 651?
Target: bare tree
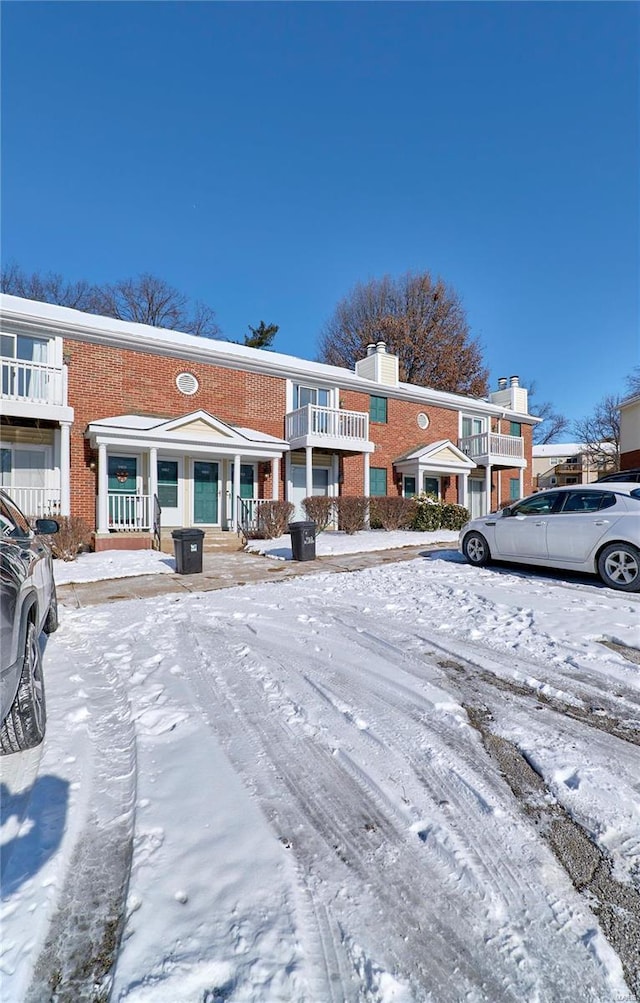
column 600, row 433
column 150, row 300
column 553, row 424
column 421, row 320
column 633, row 381
column 145, row 299
column 49, row 288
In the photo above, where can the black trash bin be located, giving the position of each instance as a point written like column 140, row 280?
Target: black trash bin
column 188, row 546
column 303, row 540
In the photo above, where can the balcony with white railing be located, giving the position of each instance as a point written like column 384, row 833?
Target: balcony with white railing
column 33, row 381
column 494, row 449
column 36, row 503
column 333, row 428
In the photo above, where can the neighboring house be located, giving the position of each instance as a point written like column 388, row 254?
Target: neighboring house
column 630, row 432
column 102, row 417
column 561, row 463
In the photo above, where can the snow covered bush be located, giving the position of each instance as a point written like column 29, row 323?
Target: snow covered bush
column 454, row 516
column 428, row 513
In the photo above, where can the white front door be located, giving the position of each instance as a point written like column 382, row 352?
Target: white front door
column 298, row 493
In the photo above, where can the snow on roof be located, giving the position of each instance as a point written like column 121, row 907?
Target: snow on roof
column 558, row 448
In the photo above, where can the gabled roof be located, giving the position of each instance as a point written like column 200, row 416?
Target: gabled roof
column 442, row 453
column 195, row 429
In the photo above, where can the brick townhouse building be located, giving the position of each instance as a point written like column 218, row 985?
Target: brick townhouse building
column 105, row 419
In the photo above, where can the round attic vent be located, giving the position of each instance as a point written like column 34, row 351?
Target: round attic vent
column 423, row 420
column 186, row 383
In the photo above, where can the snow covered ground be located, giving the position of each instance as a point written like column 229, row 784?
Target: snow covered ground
column 417, row 782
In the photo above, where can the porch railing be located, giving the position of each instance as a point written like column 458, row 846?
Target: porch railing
column 334, row 423
column 36, row 503
column 248, row 514
column 129, row 513
column 33, row 381
column 493, row 445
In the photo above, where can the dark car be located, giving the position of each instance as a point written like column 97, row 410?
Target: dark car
column 622, row 476
column 28, row 606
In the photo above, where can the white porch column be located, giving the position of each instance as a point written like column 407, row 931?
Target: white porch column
column 334, row 488
column 65, row 468
column 275, row 477
column 487, row 490
column 521, row 479
column 236, row 491
column 103, row 490
column 153, row 479
column 309, row 470
column 366, row 475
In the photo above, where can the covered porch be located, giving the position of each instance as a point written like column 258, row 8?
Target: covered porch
column 194, row 470
column 429, row 469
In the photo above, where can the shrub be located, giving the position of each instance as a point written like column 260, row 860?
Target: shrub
column 454, row 516
column 352, row 514
column 428, row 514
column 272, row 520
column 321, row 509
column 72, row 537
column 392, row 512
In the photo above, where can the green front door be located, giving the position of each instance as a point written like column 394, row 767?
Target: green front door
column 205, row 492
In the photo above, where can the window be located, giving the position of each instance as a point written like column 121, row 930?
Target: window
column 378, row 409
column 409, row 487
column 168, row 483
column 309, row 395
column 431, row 486
column 246, row 479
column 541, row 504
column 472, row 426
column 588, row 501
column 515, row 428
column 514, row 488
column 378, row 481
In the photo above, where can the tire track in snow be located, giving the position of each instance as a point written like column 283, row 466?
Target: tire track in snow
column 78, row 958
column 423, row 944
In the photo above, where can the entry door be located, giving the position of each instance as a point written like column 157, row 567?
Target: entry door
column 476, row 497
column 205, row 492
column 320, row 478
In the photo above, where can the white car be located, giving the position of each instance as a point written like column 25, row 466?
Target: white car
column 593, row 528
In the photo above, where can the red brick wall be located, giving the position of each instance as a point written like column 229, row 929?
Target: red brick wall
column 630, row 459
column 105, row 381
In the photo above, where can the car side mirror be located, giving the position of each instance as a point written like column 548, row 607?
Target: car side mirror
column 506, row 512
column 46, row 527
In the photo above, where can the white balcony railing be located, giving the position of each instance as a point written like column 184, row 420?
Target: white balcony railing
column 492, row 446
column 33, row 381
column 36, row 503
column 129, row 513
column 327, row 422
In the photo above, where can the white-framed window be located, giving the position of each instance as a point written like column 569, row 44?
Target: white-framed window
column 472, row 425
column 303, row 395
column 26, row 349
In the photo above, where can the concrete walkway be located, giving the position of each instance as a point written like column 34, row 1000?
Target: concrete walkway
column 224, row 570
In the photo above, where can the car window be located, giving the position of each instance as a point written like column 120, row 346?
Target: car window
column 536, row 504
column 588, row 501
column 12, row 521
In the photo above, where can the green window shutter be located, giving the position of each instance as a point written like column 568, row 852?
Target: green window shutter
column 514, row 488
column 378, row 409
column 515, row 428
column 378, row 481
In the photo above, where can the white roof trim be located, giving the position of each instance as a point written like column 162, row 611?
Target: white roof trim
column 32, row 317
column 138, row 431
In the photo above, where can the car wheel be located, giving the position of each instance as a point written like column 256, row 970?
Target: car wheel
column 619, row 567
column 476, row 549
column 51, row 623
column 25, row 724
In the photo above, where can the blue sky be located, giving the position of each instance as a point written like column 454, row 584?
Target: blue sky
column 265, row 157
